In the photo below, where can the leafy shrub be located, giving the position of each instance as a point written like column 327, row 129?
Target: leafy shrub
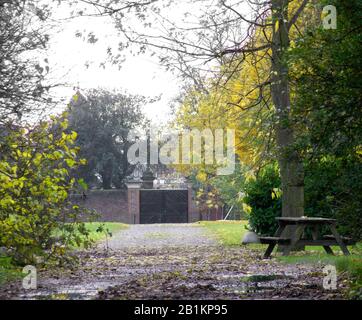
column 263, row 198
column 34, row 186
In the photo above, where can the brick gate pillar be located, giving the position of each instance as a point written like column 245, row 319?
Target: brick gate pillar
column 133, row 200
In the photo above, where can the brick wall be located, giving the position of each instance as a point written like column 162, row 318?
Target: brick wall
column 111, row 204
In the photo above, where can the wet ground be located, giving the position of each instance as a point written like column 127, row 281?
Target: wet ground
column 174, row 262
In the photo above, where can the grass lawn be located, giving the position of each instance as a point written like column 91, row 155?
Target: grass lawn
column 229, row 233
column 112, row 227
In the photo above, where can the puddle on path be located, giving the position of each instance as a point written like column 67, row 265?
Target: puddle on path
column 237, row 284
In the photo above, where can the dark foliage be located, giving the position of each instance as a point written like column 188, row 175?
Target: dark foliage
column 262, row 197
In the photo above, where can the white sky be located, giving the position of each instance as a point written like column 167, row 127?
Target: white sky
column 140, row 74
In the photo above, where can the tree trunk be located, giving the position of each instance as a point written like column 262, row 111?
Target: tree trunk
column 291, row 166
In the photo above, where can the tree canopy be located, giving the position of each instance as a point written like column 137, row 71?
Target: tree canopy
column 23, row 89
column 102, row 120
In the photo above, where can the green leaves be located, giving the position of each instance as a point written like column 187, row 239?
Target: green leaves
column 326, row 69
column 70, row 162
column 82, row 183
column 263, row 197
column 34, row 188
column 102, row 120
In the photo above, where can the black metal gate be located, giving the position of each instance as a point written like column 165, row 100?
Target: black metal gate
column 163, row 206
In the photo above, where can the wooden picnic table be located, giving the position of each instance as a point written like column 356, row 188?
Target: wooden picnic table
column 296, row 240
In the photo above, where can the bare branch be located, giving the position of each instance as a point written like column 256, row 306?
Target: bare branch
column 255, row 23
column 296, row 15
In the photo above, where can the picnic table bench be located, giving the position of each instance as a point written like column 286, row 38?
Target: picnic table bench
column 295, row 239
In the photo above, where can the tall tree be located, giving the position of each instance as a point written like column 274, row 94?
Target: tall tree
column 102, row 120
column 22, row 85
column 290, row 163
column 226, row 33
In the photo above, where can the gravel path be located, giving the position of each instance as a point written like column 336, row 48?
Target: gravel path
column 174, row 261
column 160, row 236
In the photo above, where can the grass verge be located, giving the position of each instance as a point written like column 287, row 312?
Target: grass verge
column 228, row 233
column 8, row 271
column 111, row 227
